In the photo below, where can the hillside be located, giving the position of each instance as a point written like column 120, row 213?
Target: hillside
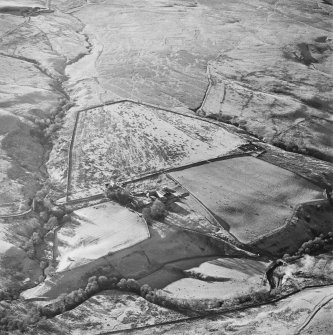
column 166, row 167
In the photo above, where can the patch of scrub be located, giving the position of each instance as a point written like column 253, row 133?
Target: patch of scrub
column 109, row 311
column 96, row 231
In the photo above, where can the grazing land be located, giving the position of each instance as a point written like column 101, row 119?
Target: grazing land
column 252, row 196
column 96, row 231
column 227, row 278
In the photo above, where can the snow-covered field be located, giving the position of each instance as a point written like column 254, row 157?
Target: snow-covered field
column 231, row 268
column 229, row 277
column 97, row 231
column 194, row 289
column 128, row 140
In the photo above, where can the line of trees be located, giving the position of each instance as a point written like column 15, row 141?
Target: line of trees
column 95, row 284
column 312, row 246
column 99, row 283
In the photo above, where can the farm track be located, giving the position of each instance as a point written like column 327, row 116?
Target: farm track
column 235, row 239
column 233, row 244
column 156, row 173
column 213, row 315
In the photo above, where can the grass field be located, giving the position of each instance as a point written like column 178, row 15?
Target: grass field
column 98, row 230
column 252, row 196
column 148, row 260
column 231, row 268
column 234, row 276
column 127, row 140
